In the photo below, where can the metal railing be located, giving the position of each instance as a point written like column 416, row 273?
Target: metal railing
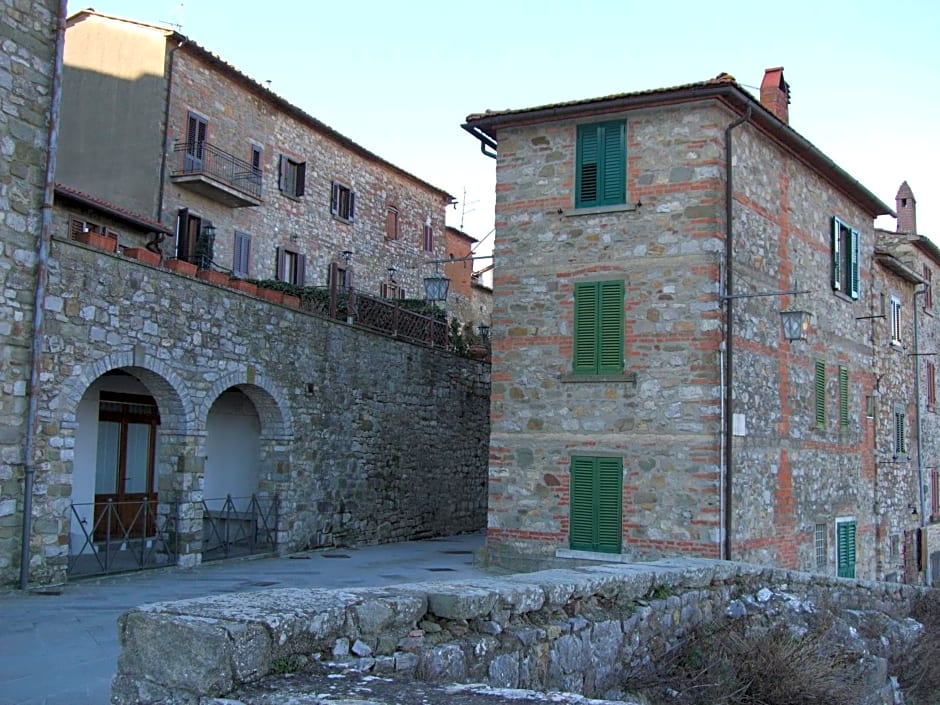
column 239, row 526
column 207, row 159
column 123, row 536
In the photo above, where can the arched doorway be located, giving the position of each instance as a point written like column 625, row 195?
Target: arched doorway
column 237, row 518
column 118, row 521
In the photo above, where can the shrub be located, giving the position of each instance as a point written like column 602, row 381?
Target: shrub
column 916, row 667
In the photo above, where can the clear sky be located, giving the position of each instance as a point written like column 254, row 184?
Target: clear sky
column 400, row 77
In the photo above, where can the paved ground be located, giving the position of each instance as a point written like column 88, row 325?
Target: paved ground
column 59, row 646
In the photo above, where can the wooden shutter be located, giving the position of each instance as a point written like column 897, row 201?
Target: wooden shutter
column 845, row 540
column 836, row 254
column 300, row 276
column 242, row 255
column 279, row 265
column 614, row 172
column 301, row 181
column 843, row 396
column 900, row 442
column 391, row 223
column 610, row 328
column 854, row 265
column 334, row 198
column 585, row 329
column 931, row 384
column 352, row 204
column 581, row 489
column 820, row 393
column 282, row 173
column 609, row 505
column 588, row 169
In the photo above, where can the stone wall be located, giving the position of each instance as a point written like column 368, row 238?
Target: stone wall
column 364, row 438
column 565, row 630
column 27, row 36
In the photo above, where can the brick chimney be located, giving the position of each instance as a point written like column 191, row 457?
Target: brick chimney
column 775, row 93
column 906, row 208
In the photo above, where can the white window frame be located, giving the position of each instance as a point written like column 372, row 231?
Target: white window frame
column 895, row 320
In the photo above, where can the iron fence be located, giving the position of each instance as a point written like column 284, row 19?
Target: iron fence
column 239, row 526
column 205, row 158
column 122, row 536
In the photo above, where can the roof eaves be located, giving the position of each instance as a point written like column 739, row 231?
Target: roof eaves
column 723, row 89
column 886, row 259
column 122, row 214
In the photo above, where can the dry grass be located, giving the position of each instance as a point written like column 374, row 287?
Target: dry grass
column 917, row 667
column 731, row 665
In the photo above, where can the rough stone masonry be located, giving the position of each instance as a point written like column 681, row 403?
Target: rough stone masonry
column 575, row 631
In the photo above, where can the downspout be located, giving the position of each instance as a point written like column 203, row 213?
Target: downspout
column 920, row 448
column 166, row 131
column 728, row 406
column 39, row 297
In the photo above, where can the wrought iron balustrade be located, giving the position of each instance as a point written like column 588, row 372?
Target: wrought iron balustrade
column 204, row 158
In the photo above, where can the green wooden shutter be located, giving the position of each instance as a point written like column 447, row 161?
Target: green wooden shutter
column 820, row 393
column 585, row 328
column 614, row 172
column 854, row 264
column 588, row 166
column 610, row 327
column 845, row 539
column 900, row 442
column 581, row 500
column 836, row 254
column 843, row 396
column 609, row 507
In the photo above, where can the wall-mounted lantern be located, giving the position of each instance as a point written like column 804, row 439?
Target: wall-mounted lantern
column 795, row 324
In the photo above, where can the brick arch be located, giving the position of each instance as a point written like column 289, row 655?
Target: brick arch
column 269, row 400
column 177, row 410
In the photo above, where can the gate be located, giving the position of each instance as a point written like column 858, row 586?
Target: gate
column 124, row 536
column 239, row 526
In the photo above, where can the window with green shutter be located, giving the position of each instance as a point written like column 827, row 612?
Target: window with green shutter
column 845, row 259
column 601, row 177
column 845, row 546
column 820, row 394
column 598, row 328
column 843, row 396
column 596, row 504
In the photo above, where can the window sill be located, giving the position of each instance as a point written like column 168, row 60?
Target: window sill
column 600, row 210
column 848, row 299
column 594, row 556
column 626, row 377
column 341, row 219
column 896, row 345
column 290, row 196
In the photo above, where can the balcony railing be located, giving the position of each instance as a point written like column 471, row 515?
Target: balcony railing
column 216, row 173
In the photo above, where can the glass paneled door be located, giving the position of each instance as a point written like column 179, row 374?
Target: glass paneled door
column 125, row 501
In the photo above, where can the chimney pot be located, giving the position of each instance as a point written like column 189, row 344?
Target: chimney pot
column 775, row 93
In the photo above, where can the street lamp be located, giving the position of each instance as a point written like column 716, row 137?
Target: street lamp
column 795, row 324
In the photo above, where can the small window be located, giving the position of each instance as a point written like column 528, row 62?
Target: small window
column 391, row 290
column 895, row 320
column 293, row 175
column 290, row 266
column 819, row 389
column 598, row 328
column 342, row 201
column 428, row 238
column 601, row 175
column 900, row 432
column 596, row 504
column 931, row 384
column 78, row 227
column 843, row 396
column 391, row 223
column 242, row 254
column 928, row 288
column 821, row 548
column 845, row 259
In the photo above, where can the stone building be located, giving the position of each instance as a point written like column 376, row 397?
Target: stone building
column 469, row 299
column 645, row 398
column 178, row 417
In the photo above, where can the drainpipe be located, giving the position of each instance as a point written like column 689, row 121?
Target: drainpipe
column 166, row 132
column 920, row 449
column 39, row 297
column 729, row 335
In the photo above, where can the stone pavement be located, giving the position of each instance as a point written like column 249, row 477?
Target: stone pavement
column 59, row 646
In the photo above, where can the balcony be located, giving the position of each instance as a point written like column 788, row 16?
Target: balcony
column 213, row 173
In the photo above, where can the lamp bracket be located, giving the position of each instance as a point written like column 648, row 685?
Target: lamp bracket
column 769, row 293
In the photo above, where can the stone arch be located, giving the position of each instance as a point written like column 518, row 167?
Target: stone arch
column 177, row 410
column 268, row 398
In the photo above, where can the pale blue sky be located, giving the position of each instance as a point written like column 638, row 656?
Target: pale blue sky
column 400, row 77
